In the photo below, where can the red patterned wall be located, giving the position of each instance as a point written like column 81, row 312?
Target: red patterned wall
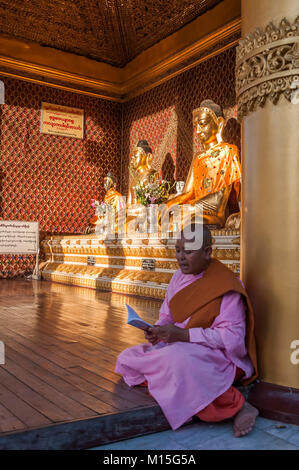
column 52, row 178
column 148, row 116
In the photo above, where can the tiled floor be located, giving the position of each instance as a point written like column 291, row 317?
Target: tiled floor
column 267, row 435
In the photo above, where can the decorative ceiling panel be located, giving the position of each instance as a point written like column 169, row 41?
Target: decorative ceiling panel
column 112, row 31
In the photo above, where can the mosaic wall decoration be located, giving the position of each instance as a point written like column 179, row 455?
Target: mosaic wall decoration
column 52, row 178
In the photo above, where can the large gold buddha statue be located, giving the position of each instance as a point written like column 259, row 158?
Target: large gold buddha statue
column 140, row 168
column 215, row 172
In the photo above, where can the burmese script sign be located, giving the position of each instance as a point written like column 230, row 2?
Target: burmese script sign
column 17, row 237
column 62, row 120
column 148, row 264
column 91, row 260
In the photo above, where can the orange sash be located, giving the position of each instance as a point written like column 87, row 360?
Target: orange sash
column 201, row 301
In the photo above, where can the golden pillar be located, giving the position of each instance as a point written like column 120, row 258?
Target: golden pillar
column 267, row 74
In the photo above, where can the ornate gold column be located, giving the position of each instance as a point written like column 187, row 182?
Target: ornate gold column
column 267, row 73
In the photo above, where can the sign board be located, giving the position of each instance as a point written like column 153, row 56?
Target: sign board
column 18, row 237
column 62, row 120
column 2, row 353
column 148, row 264
column 91, row 260
column 2, row 92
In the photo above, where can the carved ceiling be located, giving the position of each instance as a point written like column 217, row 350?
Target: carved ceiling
column 112, row 31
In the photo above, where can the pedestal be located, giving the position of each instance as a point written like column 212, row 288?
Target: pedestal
column 142, row 266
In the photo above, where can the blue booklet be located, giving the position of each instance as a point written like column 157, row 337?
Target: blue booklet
column 135, row 320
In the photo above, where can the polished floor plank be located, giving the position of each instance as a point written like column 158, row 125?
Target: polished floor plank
column 79, row 396
column 9, row 422
column 119, row 388
column 119, row 336
column 28, row 395
column 64, row 359
column 26, row 414
column 44, row 366
column 61, row 347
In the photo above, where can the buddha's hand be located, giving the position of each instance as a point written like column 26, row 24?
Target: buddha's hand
column 171, row 333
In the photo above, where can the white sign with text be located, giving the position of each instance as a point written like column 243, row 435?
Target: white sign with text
column 62, row 120
column 18, row 237
column 2, row 353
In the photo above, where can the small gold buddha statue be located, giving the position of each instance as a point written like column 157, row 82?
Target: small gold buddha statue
column 142, row 172
column 113, row 198
column 140, row 168
column 214, row 172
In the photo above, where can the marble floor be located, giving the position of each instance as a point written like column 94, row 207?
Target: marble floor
column 266, row 435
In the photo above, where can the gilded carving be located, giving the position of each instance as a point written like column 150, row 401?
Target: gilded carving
column 111, row 31
column 267, row 65
column 60, row 251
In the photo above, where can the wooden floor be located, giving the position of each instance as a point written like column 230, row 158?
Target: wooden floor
column 58, row 389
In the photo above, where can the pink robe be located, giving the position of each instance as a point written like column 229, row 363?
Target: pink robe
column 184, row 377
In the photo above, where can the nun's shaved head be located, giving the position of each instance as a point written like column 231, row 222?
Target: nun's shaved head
column 193, row 249
column 201, row 232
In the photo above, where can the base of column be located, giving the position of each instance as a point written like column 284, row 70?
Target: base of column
column 276, row 402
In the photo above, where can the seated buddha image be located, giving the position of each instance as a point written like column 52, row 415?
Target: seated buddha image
column 214, row 173
column 141, row 172
column 113, row 199
column 140, row 168
column 112, row 196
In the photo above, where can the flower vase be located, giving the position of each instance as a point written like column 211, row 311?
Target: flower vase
column 152, row 220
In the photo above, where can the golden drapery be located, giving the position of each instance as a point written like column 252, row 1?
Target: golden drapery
column 213, row 170
column 114, row 199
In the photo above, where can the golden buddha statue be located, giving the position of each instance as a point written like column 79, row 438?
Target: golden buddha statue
column 140, row 168
column 141, row 172
column 214, row 172
column 112, row 198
